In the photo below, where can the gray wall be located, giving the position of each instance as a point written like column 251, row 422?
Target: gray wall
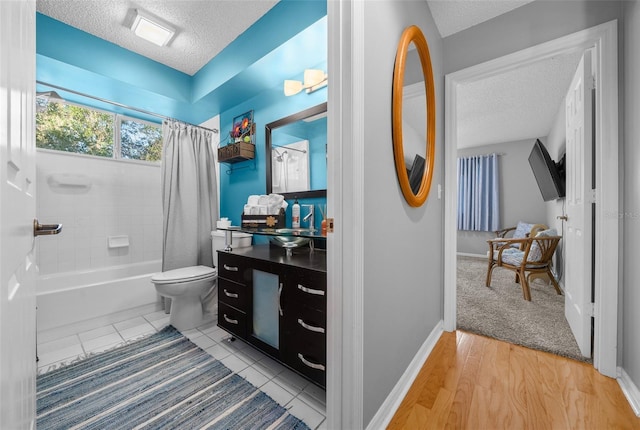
column 556, row 144
column 631, row 215
column 526, row 26
column 520, row 198
column 403, row 265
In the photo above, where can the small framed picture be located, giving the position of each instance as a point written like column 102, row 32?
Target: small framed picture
column 242, row 126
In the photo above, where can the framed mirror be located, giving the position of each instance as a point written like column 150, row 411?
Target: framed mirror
column 413, row 117
column 296, row 154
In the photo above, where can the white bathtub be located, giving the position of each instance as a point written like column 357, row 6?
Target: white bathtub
column 73, row 297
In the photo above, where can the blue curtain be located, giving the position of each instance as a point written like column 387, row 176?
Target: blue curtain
column 478, row 193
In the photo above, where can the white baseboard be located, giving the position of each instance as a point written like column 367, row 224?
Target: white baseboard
column 391, row 404
column 630, row 390
column 467, row 254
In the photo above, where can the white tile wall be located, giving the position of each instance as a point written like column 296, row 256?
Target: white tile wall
column 124, row 198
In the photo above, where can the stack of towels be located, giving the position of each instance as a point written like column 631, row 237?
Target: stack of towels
column 265, row 205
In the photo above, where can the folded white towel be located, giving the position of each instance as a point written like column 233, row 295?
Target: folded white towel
column 272, row 205
column 275, row 200
column 274, row 209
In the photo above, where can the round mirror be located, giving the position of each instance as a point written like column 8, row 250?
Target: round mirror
column 414, row 168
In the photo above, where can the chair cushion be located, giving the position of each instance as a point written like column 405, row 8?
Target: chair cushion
column 535, row 253
column 522, row 229
column 512, row 256
column 515, row 258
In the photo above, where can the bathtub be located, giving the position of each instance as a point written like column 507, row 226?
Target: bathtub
column 73, row 297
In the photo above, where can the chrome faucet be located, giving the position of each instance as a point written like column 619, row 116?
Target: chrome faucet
column 309, row 217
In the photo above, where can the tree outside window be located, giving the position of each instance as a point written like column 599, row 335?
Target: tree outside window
column 82, row 130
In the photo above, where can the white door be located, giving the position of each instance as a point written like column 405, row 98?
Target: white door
column 17, row 212
column 578, row 231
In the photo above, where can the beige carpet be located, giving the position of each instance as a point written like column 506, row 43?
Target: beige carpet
column 502, row 313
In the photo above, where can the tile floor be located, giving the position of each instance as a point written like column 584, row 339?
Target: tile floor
column 302, row 398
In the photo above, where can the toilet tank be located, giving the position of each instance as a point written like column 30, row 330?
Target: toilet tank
column 239, row 240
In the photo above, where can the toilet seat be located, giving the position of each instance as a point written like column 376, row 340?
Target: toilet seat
column 184, row 274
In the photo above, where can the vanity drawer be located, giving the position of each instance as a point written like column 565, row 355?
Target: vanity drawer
column 233, row 267
column 307, row 328
column 232, row 320
column 309, row 288
column 232, row 293
column 309, row 365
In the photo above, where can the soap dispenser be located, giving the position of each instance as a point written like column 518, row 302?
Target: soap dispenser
column 295, row 215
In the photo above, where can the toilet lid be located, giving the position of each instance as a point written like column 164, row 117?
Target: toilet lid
column 184, row 274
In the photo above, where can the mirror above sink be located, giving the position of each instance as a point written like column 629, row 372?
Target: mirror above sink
column 296, row 148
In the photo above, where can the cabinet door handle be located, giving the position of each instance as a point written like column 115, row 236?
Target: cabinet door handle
column 310, row 364
column 310, row 327
column 229, row 320
column 279, row 301
column 230, row 268
column 310, row 290
column 232, row 295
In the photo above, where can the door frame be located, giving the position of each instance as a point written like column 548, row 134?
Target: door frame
column 604, row 39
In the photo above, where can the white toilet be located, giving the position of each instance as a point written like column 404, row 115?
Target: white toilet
column 187, row 286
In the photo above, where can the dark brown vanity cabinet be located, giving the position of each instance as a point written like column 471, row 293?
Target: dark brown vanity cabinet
column 277, row 304
column 305, row 324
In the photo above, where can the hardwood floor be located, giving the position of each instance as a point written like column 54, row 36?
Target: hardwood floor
column 474, row 382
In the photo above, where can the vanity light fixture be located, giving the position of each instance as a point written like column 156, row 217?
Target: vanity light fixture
column 314, row 79
column 152, row 29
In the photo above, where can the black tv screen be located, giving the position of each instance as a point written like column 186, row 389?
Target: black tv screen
column 416, row 172
column 549, row 175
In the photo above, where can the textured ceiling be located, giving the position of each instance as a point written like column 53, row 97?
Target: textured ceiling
column 452, row 16
column 515, row 105
column 204, row 27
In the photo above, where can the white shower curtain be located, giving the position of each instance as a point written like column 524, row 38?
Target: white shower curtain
column 189, row 195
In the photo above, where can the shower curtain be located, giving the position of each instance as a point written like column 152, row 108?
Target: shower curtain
column 189, row 195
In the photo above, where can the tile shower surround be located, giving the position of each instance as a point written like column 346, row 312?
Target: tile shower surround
column 123, row 198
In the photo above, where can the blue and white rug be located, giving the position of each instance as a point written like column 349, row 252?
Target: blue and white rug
column 161, row 382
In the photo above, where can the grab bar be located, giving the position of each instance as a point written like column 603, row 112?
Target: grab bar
column 45, row 229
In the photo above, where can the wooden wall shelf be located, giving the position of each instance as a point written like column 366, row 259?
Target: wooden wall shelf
column 236, row 152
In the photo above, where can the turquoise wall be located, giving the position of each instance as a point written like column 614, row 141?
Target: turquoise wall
column 249, row 177
column 279, row 45
column 247, row 75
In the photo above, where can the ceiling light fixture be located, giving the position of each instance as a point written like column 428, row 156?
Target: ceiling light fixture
column 152, row 28
column 313, row 80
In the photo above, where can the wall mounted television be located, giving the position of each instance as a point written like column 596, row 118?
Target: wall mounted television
column 549, row 175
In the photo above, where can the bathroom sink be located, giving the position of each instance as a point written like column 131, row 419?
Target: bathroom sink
column 291, row 237
column 295, row 231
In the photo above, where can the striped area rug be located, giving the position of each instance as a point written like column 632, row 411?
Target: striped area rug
column 163, row 381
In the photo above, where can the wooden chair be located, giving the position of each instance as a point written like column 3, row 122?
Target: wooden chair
column 522, row 230
column 519, row 232
column 533, row 257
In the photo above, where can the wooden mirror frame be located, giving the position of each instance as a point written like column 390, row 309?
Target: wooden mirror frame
column 415, row 35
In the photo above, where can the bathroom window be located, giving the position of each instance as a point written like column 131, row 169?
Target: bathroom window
column 139, row 140
column 83, row 130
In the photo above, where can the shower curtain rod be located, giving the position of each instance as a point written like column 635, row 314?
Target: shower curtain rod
column 214, row 130
column 274, row 147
